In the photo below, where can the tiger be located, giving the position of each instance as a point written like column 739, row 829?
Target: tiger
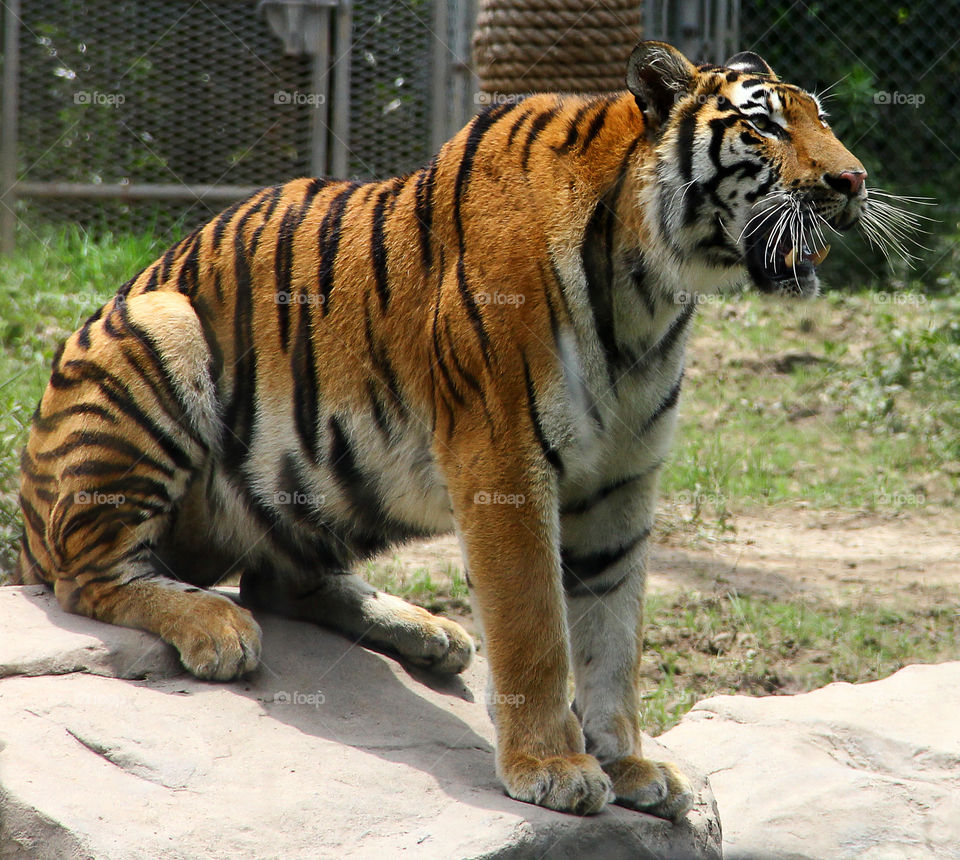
column 492, row 345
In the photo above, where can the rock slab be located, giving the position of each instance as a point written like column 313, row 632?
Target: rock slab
column 108, row 751
column 866, row 771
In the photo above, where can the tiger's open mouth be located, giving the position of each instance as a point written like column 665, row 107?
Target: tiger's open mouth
column 777, row 266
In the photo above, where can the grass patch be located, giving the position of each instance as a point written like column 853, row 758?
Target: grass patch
column 436, row 591
column 48, row 288
column 847, row 401
column 699, row 645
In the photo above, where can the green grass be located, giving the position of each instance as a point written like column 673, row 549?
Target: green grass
column 699, row 645
column 437, row 591
column 47, row 289
column 845, row 401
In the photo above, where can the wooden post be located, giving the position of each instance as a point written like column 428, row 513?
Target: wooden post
column 340, row 129
column 320, row 90
column 8, row 143
column 440, row 64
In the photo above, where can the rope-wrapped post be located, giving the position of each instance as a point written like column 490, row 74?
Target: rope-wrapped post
column 524, row 46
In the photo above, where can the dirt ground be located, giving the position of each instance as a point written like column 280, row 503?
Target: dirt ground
column 836, row 557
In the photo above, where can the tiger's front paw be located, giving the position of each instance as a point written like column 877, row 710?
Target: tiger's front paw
column 655, row 787
column 217, row 639
column 574, row 782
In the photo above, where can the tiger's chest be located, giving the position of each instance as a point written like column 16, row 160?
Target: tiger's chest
column 622, row 389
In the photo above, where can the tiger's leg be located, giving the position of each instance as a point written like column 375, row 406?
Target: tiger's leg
column 128, row 418
column 512, row 553
column 604, row 579
column 345, row 602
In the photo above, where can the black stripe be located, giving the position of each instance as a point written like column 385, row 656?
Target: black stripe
column 240, row 411
column 105, row 442
column 188, row 280
column 573, row 129
column 224, row 218
column 272, row 199
column 34, row 565
column 45, row 495
column 473, row 311
column 468, row 377
column 83, row 336
column 29, row 469
column 282, row 271
column 120, row 396
column 423, row 210
column 306, row 401
column 638, row 277
column 598, row 262
column 668, row 402
column 438, row 353
column 379, row 415
column 283, row 257
column 382, row 366
column 538, row 124
column 517, row 123
column 595, row 125
column 686, row 129
column 329, row 241
column 550, row 453
column 169, row 399
column 32, row 518
column 578, row 568
column 378, row 247
column 166, row 261
column 373, row 528
column 582, row 506
column 478, row 128
column 666, row 344
column 152, row 280
column 598, row 268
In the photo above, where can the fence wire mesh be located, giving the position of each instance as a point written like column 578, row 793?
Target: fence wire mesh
column 889, row 71
column 202, row 93
column 191, row 92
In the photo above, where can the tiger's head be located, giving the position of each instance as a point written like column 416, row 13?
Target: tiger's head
column 748, row 173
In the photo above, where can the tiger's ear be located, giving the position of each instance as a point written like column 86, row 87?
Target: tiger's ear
column 751, row 63
column 658, row 75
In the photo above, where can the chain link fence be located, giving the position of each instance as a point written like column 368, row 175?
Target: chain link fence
column 889, row 72
column 152, row 115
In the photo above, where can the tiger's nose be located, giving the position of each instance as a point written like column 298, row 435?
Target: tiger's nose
column 849, row 182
